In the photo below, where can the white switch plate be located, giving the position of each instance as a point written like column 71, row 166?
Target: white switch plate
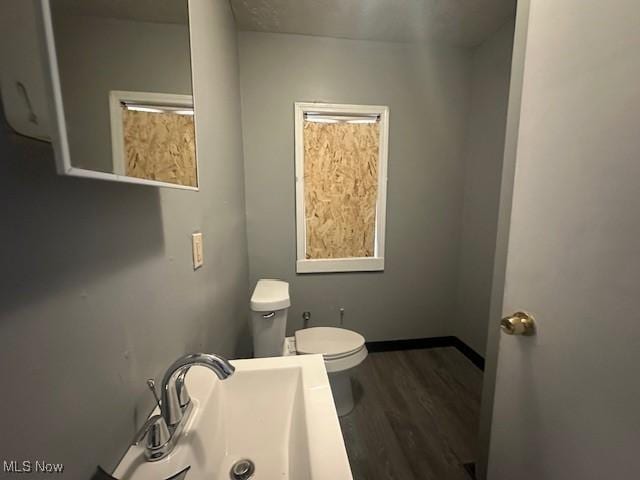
column 198, row 252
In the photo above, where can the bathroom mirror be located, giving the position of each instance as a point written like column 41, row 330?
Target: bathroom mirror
column 122, row 89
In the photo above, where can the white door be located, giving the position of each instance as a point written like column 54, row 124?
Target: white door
column 567, row 400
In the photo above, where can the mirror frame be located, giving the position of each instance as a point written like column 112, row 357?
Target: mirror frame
column 59, row 137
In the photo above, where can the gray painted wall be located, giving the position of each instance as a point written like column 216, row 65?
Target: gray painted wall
column 98, row 292
column 97, row 55
column 483, row 167
column 427, row 90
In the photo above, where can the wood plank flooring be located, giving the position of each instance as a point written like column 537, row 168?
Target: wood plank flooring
column 416, row 416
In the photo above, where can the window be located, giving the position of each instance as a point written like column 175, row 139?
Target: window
column 153, row 137
column 341, row 181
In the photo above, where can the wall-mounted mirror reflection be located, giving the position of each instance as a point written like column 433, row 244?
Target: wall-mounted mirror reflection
column 125, row 79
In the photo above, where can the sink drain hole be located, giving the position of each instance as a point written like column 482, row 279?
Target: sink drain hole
column 242, row 470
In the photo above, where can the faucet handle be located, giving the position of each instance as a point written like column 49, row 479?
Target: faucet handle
column 156, row 431
column 155, row 428
column 152, row 386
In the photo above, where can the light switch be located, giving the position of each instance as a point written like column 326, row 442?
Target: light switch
column 198, row 252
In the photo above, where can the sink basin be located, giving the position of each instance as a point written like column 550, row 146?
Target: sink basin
column 277, row 412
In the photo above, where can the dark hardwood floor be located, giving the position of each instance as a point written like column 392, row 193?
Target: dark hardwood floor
column 416, row 416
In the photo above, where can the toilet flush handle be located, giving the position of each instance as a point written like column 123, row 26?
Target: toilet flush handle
column 268, row 315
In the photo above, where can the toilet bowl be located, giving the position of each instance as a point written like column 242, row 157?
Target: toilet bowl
column 342, row 349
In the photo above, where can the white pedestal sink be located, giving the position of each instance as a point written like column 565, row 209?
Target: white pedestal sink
column 277, row 412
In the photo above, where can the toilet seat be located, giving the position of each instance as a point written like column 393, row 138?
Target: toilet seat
column 341, row 348
column 331, row 342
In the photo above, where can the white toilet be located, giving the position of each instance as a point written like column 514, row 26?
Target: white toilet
column 342, row 349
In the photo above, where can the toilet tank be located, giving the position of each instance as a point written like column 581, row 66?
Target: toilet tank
column 269, row 306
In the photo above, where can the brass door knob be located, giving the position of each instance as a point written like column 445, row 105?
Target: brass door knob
column 519, row 323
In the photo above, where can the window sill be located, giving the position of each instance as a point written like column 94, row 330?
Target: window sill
column 368, row 264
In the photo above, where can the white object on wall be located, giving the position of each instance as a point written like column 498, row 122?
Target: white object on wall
column 22, row 76
column 30, row 85
column 197, row 250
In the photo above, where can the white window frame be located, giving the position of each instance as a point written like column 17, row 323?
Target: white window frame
column 152, row 99
column 355, row 264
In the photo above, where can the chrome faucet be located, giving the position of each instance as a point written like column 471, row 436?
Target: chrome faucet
column 163, row 431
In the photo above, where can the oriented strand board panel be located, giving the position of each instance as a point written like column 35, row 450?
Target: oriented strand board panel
column 160, row 146
column 340, row 189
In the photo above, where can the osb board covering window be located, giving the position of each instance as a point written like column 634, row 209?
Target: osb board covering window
column 160, row 146
column 340, row 189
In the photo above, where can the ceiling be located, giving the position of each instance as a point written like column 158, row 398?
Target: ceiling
column 156, row 11
column 465, row 23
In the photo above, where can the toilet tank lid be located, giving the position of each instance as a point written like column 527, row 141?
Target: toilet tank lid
column 270, row 295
